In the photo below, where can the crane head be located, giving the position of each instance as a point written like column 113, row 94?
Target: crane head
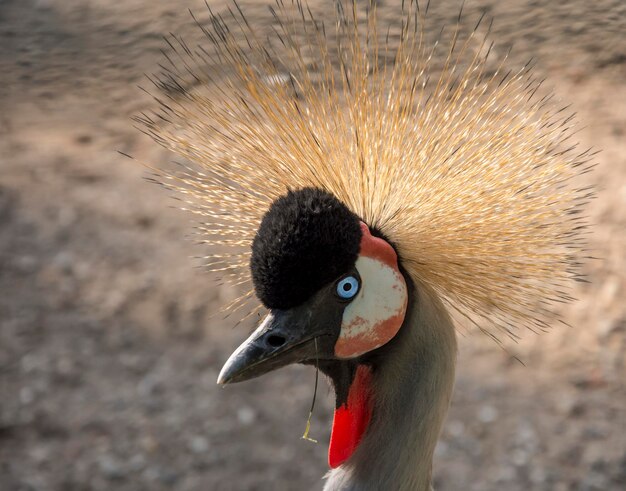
column 334, row 293
column 333, row 290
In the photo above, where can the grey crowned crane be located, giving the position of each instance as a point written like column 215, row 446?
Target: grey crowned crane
column 362, row 191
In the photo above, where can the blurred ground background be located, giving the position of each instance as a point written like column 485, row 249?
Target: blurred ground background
column 109, row 352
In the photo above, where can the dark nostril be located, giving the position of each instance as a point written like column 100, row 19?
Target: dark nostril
column 275, row 341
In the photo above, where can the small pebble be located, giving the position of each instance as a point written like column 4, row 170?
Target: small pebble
column 246, row 415
column 199, row 444
column 111, row 468
column 27, row 396
column 487, row 414
column 456, row 428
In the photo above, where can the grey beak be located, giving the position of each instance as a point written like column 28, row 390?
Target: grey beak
column 300, row 334
column 277, row 342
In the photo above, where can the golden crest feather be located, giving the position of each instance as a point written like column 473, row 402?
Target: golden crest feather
column 463, row 166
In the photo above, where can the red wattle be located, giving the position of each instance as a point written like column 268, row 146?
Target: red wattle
column 351, row 418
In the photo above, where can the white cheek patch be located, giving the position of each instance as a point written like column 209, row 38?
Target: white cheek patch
column 376, row 314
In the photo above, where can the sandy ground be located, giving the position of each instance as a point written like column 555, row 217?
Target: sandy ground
column 109, row 348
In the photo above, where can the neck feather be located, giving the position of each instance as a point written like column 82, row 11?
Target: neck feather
column 412, row 388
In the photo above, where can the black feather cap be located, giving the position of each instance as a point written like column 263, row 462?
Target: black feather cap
column 307, row 239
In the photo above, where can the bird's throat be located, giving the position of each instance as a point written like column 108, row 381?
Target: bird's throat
column 351, row 418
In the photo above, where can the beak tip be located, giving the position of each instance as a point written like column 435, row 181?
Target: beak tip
column 223, row 377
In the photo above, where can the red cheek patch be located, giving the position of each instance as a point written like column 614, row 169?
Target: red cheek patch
column 375, row 336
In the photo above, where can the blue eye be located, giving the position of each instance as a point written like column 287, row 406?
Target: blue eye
column 347, row 287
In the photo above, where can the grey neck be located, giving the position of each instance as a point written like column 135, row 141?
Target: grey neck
column 412, row 391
